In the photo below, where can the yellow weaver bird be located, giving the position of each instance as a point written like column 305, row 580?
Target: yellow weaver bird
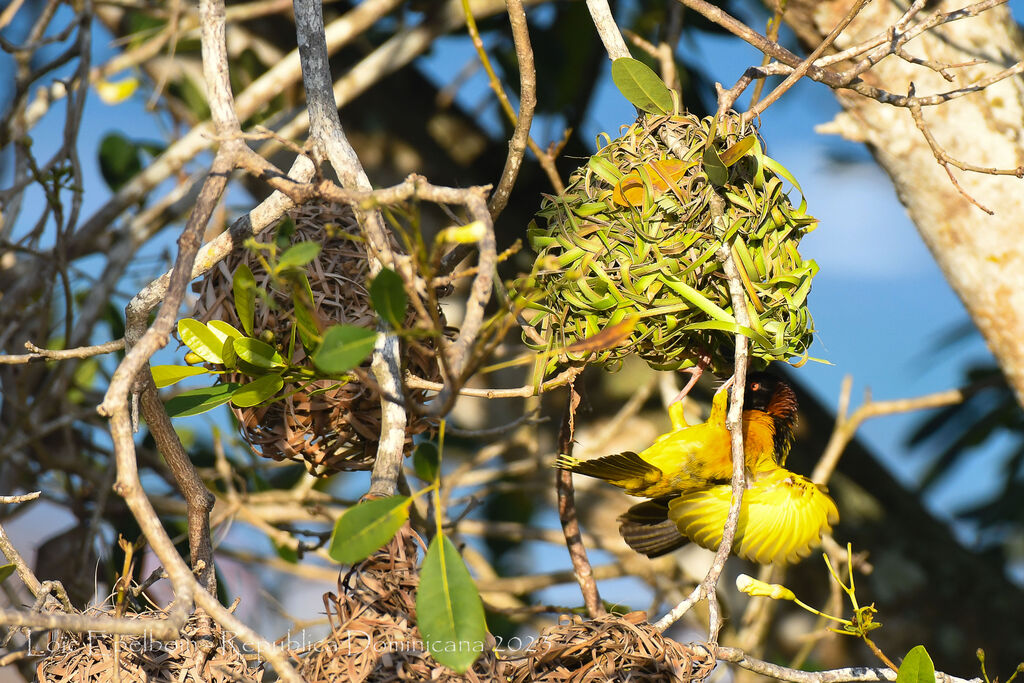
column 687, row 472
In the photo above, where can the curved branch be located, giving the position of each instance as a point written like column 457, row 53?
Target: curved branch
column 854, row 674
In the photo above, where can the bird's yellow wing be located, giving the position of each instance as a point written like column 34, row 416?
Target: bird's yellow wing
column 783, row 516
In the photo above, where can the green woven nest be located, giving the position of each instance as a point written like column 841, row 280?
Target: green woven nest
column 632, row 240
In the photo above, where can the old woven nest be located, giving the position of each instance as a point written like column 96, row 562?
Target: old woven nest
column 633, row 239
column 613, row 647
column 373, row 626
column 82, row 658
column 334, row 429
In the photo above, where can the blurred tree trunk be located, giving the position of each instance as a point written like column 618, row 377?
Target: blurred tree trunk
column 981, row 255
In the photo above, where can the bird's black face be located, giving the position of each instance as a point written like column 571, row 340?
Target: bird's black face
column 770, row 394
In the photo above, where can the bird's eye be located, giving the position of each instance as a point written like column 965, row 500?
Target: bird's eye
column 756, row 386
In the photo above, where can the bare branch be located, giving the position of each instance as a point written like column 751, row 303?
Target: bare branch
column 39, row 354
column 857, row 674
column 945, row 160
column 567, row 511
column 527, row 104
column 846, row 426
column 607, row 29
column 801, row 70
column 24, row 498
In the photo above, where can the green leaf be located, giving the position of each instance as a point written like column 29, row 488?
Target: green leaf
column 366, row 527
column 285, row 231
column 119, row 159
column 243, row 285
column 287, row 554
column 166, row 375
column 297, row 256
column 641, row 86
column 198, row 401
column 426, row 461
column 917, row 667
column 256, row 352
column 227, row 334
column 449, row 612
column 344, row 347
column 6, row 570
column 201, row 339
column 604, row 169
column 305, row 318
column 229, row 354
column 257, row 391
column 223, row 329
column 388, row 297
column 718, row 174
column 191, row 93
column 738, row 151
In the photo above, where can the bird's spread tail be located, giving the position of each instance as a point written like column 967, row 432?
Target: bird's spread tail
column 617, row 469
column 647, row 529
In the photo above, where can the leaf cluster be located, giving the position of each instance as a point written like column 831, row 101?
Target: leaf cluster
column 264, row 362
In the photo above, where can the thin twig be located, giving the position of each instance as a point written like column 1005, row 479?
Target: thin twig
column 559, row 380
column 831, row 77
column 567, row 511
column 39, row 354
column 801, row 70
column 527, row 105
column 846, row 426
column 24, row 498
column 856, row 674
column 945, row 160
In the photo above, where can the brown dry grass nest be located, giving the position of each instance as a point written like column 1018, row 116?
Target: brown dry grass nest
column 374, row 638
column 373, row 626
column 613, row 647
column 84, row 658
column 337, row 428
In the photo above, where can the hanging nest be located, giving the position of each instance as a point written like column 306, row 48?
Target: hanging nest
column 613, row 647
column 328, row 427
column 630, row 246
column 83, row 658
column 373, row 626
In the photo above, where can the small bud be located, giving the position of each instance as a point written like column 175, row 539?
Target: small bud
column 981, row 655
column 192, row 358
column 751, row 586
column 267, row 336
column 115, row 93
column 463, row 234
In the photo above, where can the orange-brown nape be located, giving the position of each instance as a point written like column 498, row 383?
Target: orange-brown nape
column 769, row 416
